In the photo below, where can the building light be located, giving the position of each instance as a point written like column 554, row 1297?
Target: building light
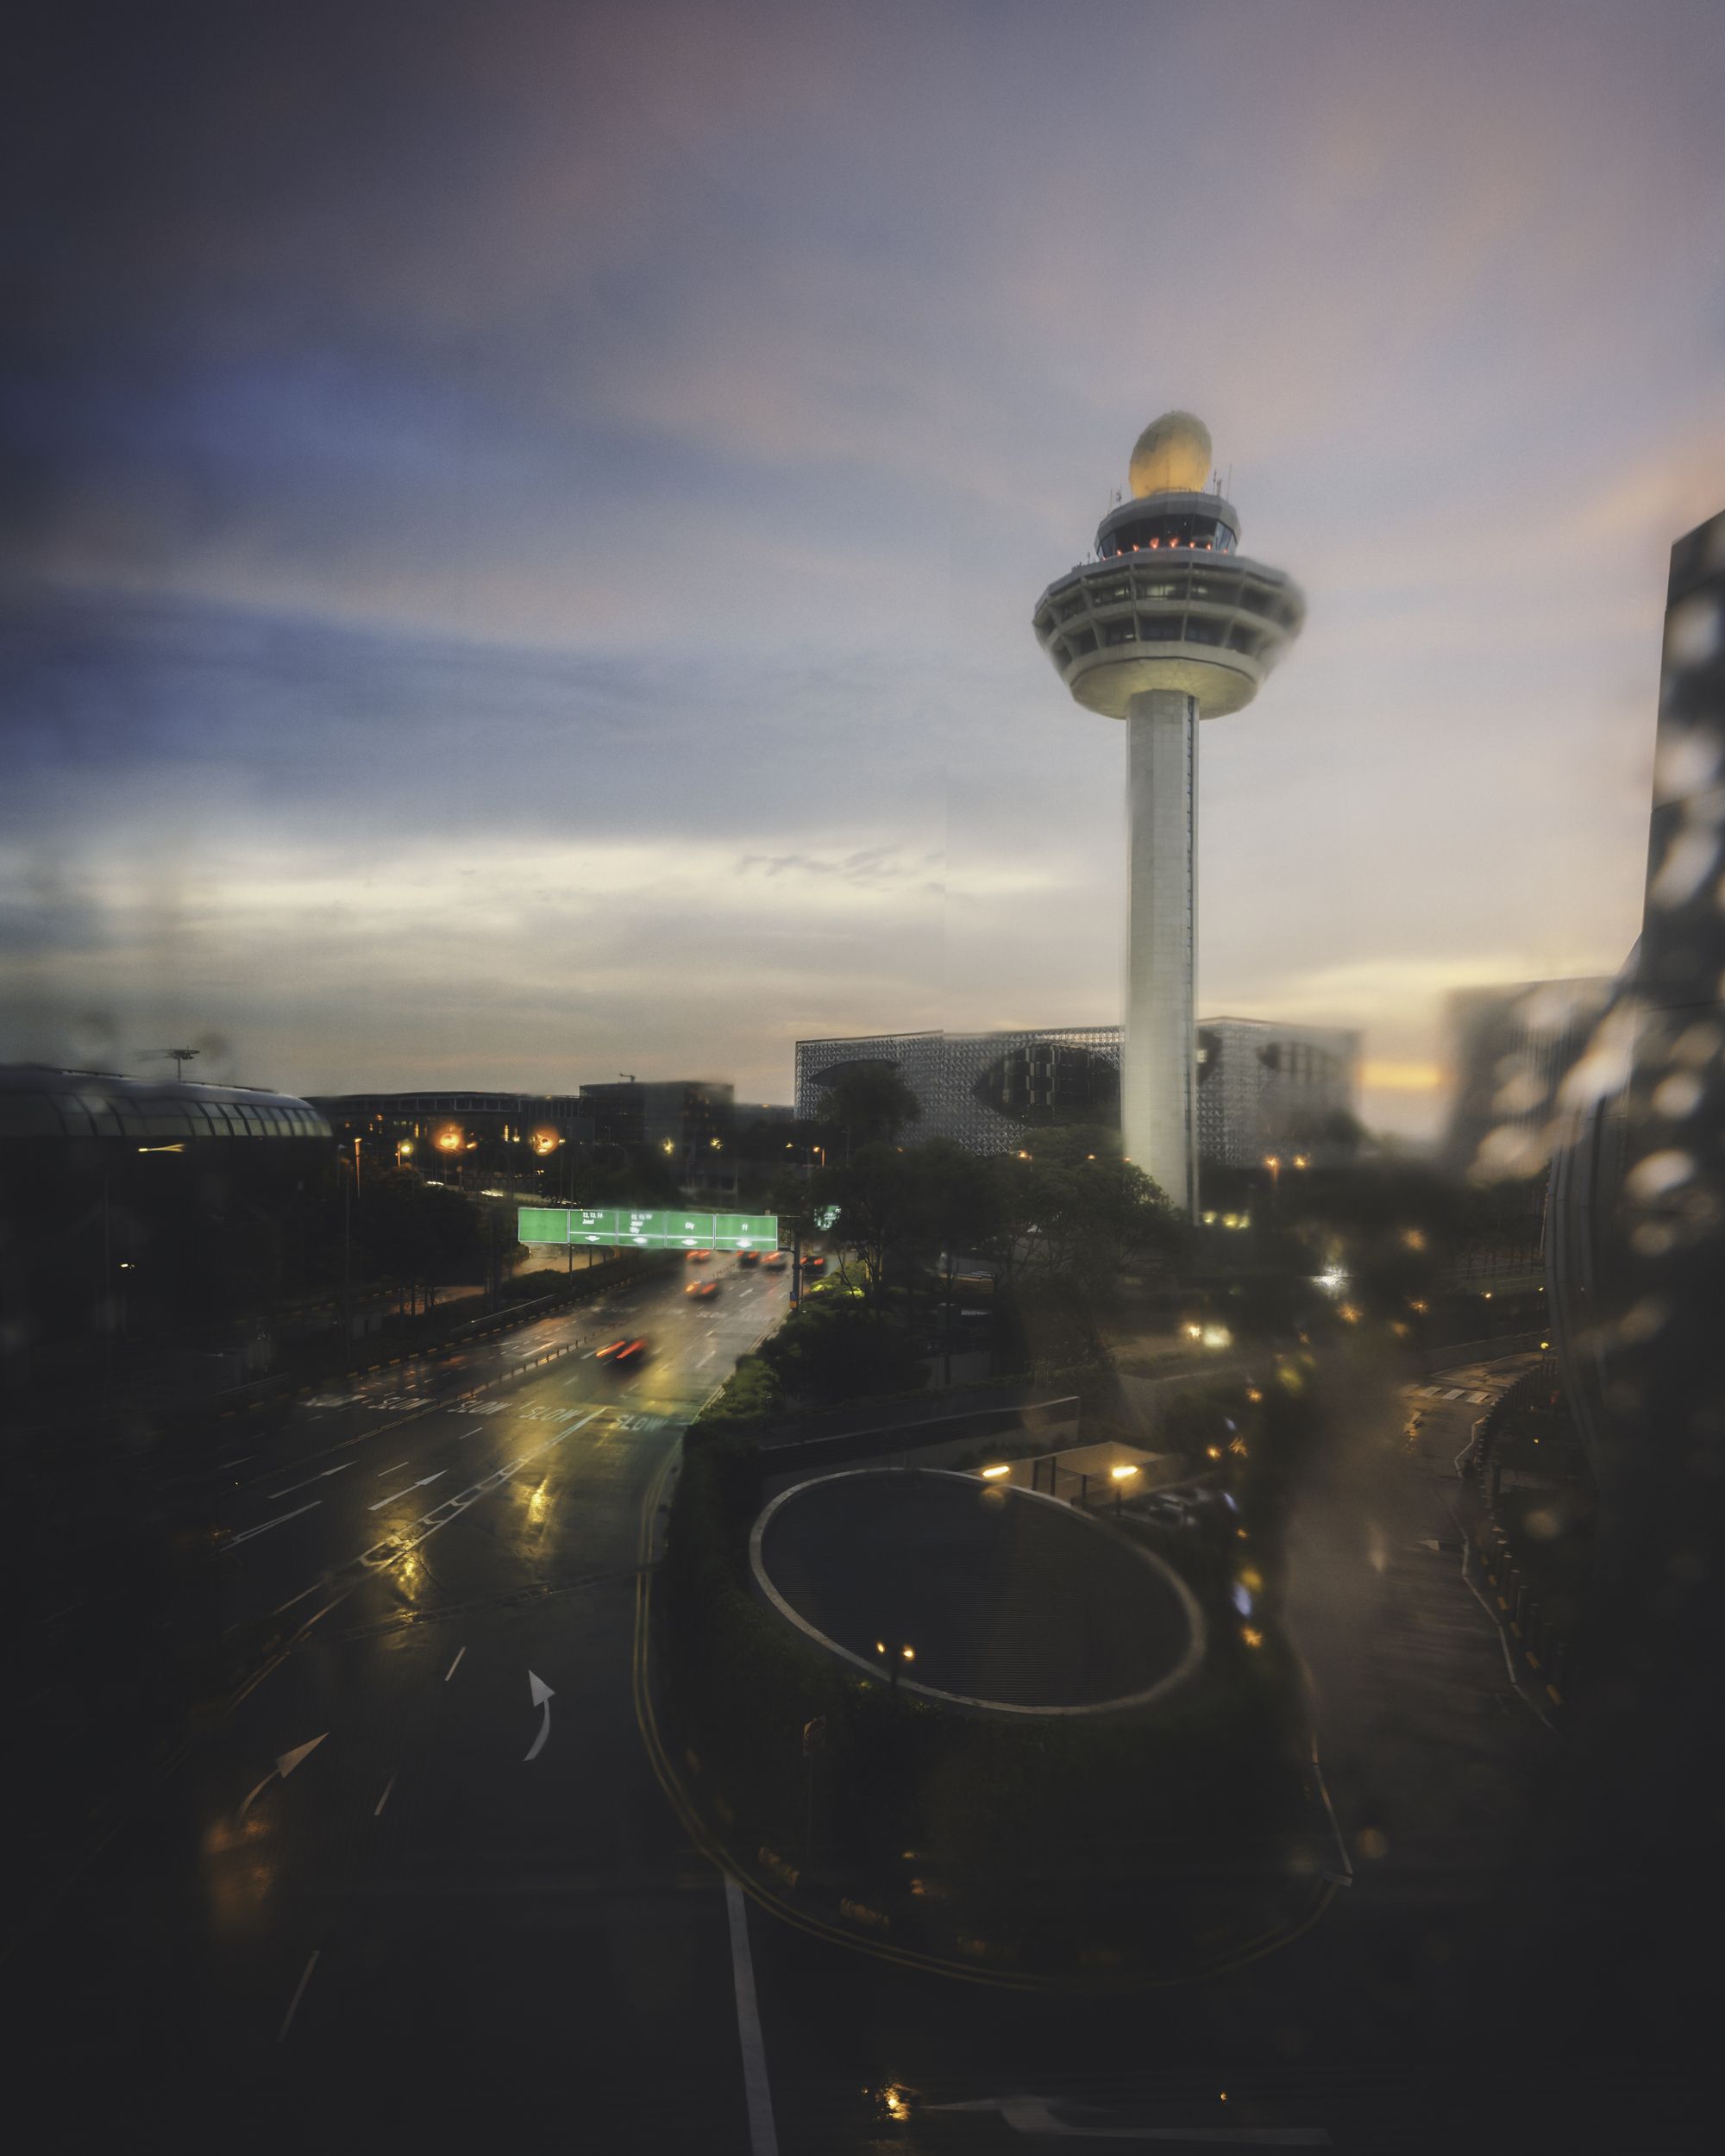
column 993, row 1474
column 1123, row 1474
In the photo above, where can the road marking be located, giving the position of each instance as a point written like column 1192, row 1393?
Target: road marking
column 285, row 1764
column 454, row 1665
column 1345, row 1876
column 474, row 1433
column 377, row 1812
column 382, row 1471
column 1453, row 1392
column 1036, row 2115
column 280, row 1520
column 763, row 2140
column 406, row 1487
column 310, row 1480
column 542, row 1696
column 298, row 1994
column 282, row 1609
column 223, row 1465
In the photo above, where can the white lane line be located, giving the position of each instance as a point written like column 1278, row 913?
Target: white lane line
column 377, row 1811
column 454, row 1665
column 222, row 1465
column 763, row 2140
column 382, row 1471
column 298, row 1994
column 310, row 1480
column 407, row 1487
column 281, row 1609
column 280, row 1520
column 474, row 1433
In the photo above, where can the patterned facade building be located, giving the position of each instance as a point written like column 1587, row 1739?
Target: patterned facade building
column 1263, row 1086
column 1258, row 1082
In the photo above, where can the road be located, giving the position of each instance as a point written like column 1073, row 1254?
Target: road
column 467, row 1915
column 415, row 1926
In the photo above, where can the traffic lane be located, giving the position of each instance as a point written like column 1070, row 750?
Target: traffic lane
column 284, row 1539
column 269, row 1878
column 367, row 1522
column 544, row 1905
column 355, row 1407
column 408, row 1412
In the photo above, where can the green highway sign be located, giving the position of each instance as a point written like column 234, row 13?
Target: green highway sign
column 617, row 1227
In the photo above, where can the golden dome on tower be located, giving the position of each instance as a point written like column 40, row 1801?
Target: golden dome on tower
column 1171, row 456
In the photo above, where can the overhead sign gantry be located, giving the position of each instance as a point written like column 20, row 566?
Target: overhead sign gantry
column 617, row 1227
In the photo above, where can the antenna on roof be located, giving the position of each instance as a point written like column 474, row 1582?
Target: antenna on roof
column 181, row 1057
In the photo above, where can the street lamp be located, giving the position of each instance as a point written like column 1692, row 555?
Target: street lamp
column 892, row 1657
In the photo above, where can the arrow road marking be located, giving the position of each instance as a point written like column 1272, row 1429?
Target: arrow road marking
column 310, row 1480
column 404, row 1488
column 542, row 1696
column 280, row 1520
column 285, row 1764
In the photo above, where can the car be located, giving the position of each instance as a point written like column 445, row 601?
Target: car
column 700, row 1258
column 629, row 1354
column 701, row 1289
column 815, row 1264
column 773, row 1260
column 749, row 1257
column 610, row 1351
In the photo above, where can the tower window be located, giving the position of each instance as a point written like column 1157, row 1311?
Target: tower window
column 1081, row 640
column 1204, row 629
column 1160, row 629
column 1121, row 632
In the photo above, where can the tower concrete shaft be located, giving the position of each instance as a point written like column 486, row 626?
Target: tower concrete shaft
column 1166, row 624
column 1159, row 1070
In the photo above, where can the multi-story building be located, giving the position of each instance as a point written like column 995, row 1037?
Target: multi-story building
column 1259, row 1083
column 989, row 1092
column 685, row 1118
column 1263, row 1086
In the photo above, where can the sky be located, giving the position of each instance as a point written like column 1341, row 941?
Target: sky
column 519, row 525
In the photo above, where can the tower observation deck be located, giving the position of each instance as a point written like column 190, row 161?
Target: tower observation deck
column 1168, row 624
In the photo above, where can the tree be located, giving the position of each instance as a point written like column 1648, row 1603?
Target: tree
column 871, row 1103
column 1076, row 1208
column 833, row 1350
column 415, row 1234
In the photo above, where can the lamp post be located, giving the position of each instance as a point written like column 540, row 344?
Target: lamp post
column 899, row 1652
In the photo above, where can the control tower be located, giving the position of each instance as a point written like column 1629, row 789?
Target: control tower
column 1169, row 624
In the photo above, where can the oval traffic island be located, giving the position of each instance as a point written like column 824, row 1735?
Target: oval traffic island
column 1008, row 1601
